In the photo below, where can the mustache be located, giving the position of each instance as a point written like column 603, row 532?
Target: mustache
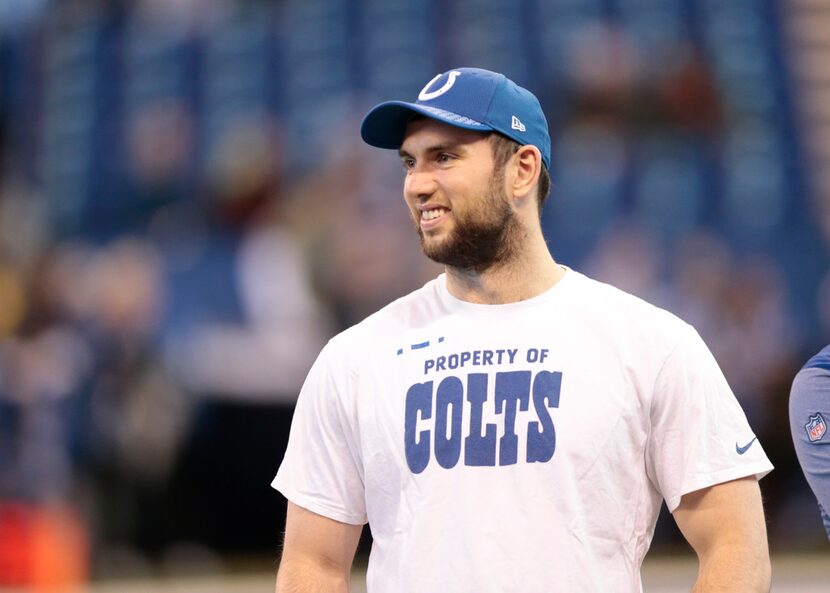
column 481, row 238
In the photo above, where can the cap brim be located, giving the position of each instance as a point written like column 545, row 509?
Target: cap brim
column 385, row 125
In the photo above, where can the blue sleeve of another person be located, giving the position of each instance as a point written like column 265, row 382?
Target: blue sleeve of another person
column 809, row 418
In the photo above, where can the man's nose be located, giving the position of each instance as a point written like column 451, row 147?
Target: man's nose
column 420, row 184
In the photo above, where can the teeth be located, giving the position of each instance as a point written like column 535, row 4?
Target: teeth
column 432, row 214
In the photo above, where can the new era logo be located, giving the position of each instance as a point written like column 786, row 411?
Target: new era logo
column 517, row 124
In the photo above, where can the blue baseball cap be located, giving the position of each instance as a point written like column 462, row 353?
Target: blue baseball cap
column 469, row 98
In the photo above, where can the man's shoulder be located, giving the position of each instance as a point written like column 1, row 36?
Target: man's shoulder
column 629, row 324
column 622, row 306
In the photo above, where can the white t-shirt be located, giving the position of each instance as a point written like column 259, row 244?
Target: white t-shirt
column 518, row 447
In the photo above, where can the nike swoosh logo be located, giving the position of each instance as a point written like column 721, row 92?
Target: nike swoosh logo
column 741, row 450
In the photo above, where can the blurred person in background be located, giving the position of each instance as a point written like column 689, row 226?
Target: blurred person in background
column 133, row 448
column 83, row 372
column 245, row 325
column 46, row 364
column 160, row 141
column 340, row 203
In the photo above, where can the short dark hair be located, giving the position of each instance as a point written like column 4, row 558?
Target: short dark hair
column 503, row 149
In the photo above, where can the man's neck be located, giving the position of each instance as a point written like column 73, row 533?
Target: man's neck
column 528, row 274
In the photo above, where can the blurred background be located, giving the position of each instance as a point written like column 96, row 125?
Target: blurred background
column 187, row 214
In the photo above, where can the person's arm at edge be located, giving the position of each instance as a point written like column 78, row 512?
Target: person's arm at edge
column 317, row 553
column 725, row 526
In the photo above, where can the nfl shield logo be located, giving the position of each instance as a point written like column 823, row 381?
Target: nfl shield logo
column 816, row 427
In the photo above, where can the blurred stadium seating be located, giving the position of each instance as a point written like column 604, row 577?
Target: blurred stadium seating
column 187, row 213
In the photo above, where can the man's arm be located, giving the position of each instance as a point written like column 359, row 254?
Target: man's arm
column 725, row 525
column 317, row 554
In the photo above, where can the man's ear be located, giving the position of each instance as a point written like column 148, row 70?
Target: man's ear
column 528, row 163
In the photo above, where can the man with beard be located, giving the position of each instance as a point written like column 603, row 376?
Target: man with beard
column 513, row 425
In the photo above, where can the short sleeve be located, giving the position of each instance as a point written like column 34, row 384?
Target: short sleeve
column 322, row 468
column 699, row 435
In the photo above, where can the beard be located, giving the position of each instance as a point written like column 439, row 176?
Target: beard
column 482, row 238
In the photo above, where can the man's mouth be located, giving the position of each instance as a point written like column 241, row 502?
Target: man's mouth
column 432, row 213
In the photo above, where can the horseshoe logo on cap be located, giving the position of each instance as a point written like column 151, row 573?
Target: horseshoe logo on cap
column 426, row 96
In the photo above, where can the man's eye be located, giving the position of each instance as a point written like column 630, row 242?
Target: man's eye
column 444, row 157
column 408, row 163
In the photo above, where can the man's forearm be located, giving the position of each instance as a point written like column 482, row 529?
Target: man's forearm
column 735, row 568
column 303, row 577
